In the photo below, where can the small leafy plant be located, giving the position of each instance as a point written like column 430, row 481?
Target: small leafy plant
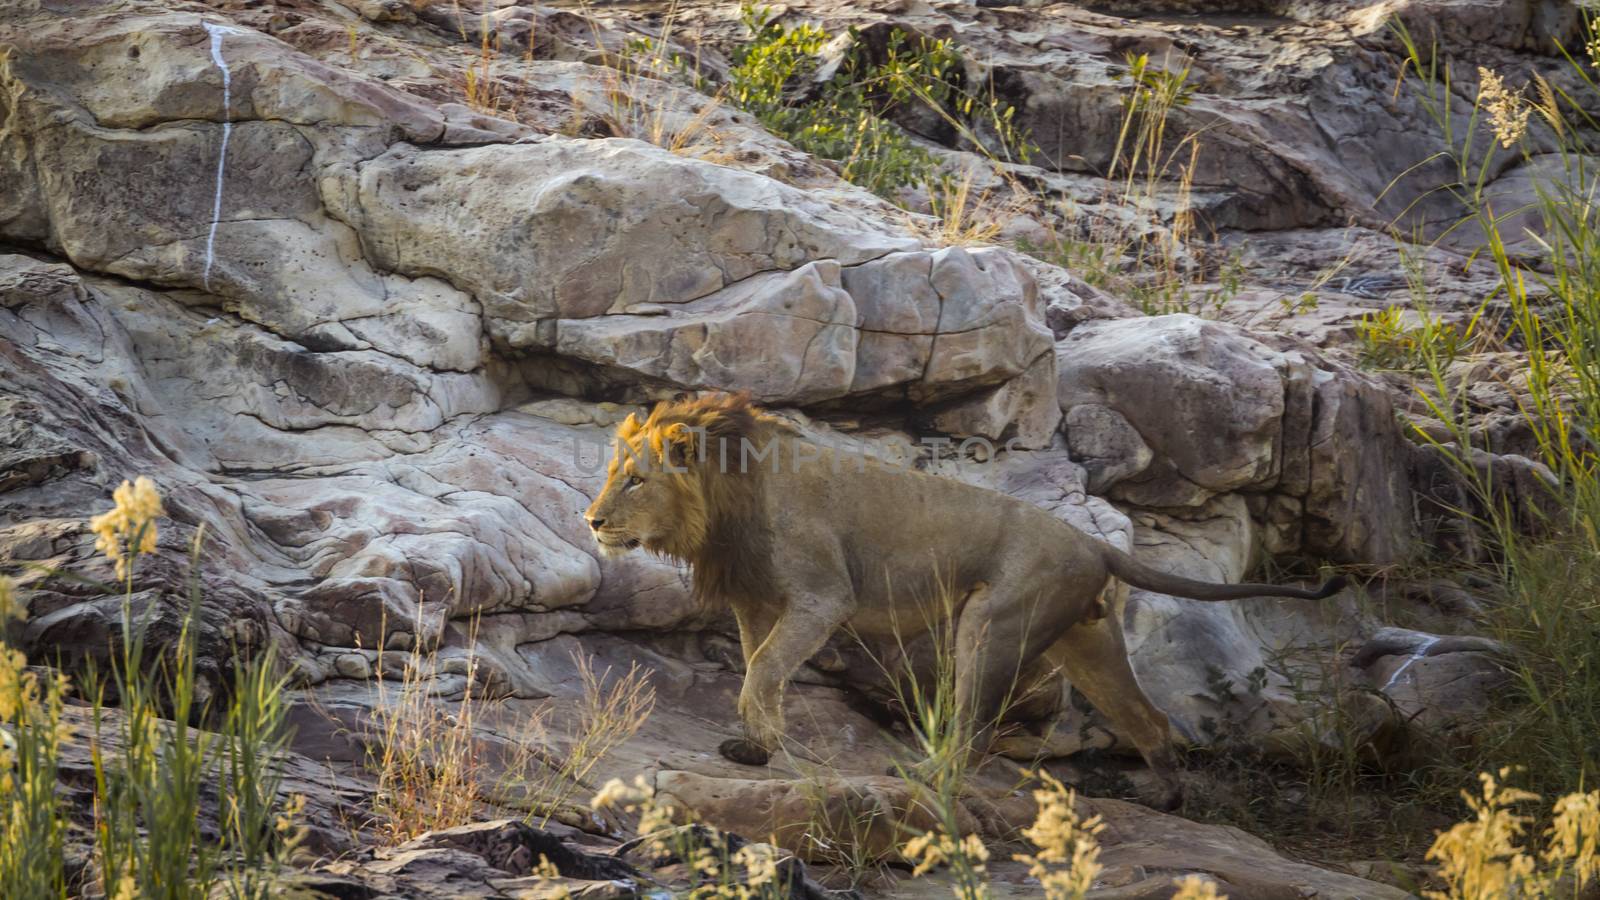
column 1388, row 340
column 848, row 116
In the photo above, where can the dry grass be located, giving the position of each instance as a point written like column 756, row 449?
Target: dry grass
column 641, row 95
column 640, row 107
column 1145, row 160
column 426, row 758
column 965, row 216
column 438, row 767
column 1144, row 240
column 610, row 711
column 484, row 88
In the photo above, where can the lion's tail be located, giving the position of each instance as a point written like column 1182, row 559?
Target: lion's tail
column 1140, row 575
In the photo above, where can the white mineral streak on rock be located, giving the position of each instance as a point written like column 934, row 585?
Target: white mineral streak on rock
column 1420, row 652
column 217, row 31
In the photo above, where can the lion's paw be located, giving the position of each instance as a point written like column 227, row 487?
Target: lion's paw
column 744, row 752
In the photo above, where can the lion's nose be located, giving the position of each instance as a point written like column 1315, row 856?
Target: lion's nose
column 596, row 522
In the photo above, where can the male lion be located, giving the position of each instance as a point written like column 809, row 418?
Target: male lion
column 801, row 539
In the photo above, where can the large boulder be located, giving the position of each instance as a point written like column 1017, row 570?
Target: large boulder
column 335, row 213
column 1173, row 411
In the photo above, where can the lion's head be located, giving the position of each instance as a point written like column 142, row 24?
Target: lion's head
column 665, row 487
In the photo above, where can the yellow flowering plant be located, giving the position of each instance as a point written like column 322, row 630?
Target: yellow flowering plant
column 1482, row 859
column 639, row 798
column 760, row 863
column 546, row 871
column 1507, row 109
column 128, row 529
column 1573, row 837
column 31, row 827
column 1196, row 887
column 1069, row 854
column 967, row 859
column 1489, row 856
column 703, row 849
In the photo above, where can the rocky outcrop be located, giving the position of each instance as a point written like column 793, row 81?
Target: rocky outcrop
column 324, row 335
column 1294, row 102
column 326, row 347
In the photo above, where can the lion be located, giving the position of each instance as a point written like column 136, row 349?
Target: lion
column 801, row 540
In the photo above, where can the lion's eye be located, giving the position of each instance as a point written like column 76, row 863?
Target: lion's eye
column 635, row 481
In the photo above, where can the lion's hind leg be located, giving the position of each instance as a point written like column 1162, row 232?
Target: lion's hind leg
column 998, row 637
column 1096, row 662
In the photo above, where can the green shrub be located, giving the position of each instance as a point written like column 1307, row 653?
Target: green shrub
column 1389, row 341
column 847, row 117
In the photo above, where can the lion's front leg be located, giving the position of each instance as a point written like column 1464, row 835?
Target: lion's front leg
column 795, row 637
column 755, row 622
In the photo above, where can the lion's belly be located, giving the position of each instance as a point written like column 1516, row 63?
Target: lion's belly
column 916, row 545
column 908, row 599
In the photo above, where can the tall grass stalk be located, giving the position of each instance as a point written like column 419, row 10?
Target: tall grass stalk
column 947, row 745
column 1145, row 159
column 1549, row 288
column 256, row 736
column 149, row 773
column 482, row 87
column 1127, row 246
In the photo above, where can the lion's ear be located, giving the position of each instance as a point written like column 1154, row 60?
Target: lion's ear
column 679, row 444
column 629, row 427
